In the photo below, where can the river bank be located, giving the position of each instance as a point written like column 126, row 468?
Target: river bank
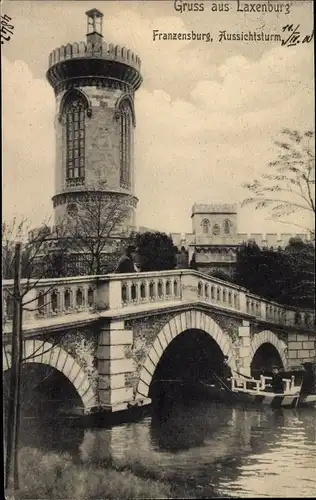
column 58, row 476
column 207, row 451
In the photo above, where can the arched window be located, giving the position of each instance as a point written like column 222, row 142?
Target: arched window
column 206, row 226
column 74, row 122
column 126, row 123
column 226, row 226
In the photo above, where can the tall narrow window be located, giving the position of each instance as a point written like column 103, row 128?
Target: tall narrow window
column 125, row 144
column 226, row 227
column 206, row 226
column 75, row 140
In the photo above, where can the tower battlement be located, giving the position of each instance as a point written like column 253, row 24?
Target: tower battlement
column 263, row 240
column 104, row 60
column 203, row 208
column 94, row 59
column 107, row 51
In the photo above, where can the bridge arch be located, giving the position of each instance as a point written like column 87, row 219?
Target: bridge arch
column 36, row 351
column 268, row 337
column 185, row 321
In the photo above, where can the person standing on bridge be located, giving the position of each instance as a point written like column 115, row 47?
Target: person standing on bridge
column 227, row 372
column 182, row 259
column 277, row 382
column 127, row 261
column 137, row 260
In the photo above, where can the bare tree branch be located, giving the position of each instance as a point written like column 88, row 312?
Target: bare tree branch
column 294, row 167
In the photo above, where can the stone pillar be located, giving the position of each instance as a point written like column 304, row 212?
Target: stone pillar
column 244, row 350
column 114, row 362
column 189, row 286
column 108, row 294
column 32, row 307
column 242, row 301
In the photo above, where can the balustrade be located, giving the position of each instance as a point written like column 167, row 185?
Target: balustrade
column 149, row 288
column 219, row 294
column 52, row 297
column 65, row 296
column 253, row 306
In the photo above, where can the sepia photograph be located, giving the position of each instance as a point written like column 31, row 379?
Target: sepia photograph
column 158, row 249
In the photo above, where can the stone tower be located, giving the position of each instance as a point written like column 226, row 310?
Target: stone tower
column 215, row 224
column 94, row 84
column 215, row 237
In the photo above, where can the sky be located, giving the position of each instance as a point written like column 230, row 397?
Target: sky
column 207, row 113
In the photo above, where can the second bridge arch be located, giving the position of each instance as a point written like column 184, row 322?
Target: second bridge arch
column 190, row 347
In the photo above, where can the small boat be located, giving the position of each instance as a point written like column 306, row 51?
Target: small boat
column 258, row 392
column 99, row 417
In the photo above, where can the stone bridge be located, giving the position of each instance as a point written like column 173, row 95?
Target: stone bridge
column 110, row 336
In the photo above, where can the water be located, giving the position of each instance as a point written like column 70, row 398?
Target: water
column 211, row 450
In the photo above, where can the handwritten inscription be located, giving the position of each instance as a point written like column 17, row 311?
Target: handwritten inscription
column 190, row 288
column 6, row 28
column 294, row 36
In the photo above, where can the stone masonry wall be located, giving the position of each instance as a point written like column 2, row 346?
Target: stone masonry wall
column 82, row 346
column 301, row 348
column 257, row 328
column 145, row 331
column 102, row 140
column 227, row 324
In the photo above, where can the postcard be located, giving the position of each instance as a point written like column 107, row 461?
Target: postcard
column 158, row 248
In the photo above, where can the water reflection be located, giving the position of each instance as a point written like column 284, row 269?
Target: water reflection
column 211, row 448
column 186, row 427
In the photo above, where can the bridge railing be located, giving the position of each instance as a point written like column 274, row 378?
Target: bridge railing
column 74, row 295
column 262, row 384
column 150, row 288
column 51, row 297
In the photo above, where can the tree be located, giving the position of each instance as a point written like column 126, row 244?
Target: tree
column 264, row 272
column 95, row 230
column 40, row 249
column 286, row 275
column 247, row 266
column 12, row 232
column 222, row 275
column 156, row 251
column 301, row 260
column 289, row 185
column 31, row 258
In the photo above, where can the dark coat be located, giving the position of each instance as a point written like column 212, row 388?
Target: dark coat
column 226, row 372
column 308, row 382
column 182, row 260
column 125, row 265
column 277, row 383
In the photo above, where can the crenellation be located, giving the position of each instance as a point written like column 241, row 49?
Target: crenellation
column 272, row 239
column 82, row 48
column 104, row 51
column 68, row 50
column 75, row 49
column 62, row 53
column 263, row 240
column 214, row 208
